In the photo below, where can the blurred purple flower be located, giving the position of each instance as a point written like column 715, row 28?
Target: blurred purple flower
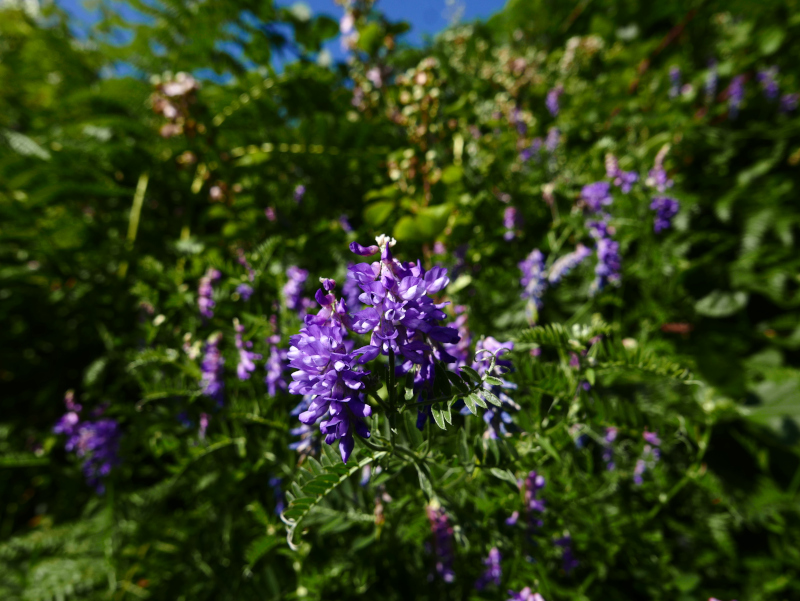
column 552, row 99
column 666, row 208
column 493, row 571
column 769, row 82
column 246, row 357
column 567, row 263
column 205, row 292
column 212, row 369
column 442, row 543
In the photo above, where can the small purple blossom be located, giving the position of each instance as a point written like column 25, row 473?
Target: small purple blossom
column 511, row 221
column 525, row 595
column 534, row 279
column 657, row 177
column 345, row 224
column 460, row 350
column 552, row 140
column 596, row 196
column 276, row 365
column 498, row 419
column 675, row 81
column 789, row 103
column 212, row 367
column 293, row 289
column 552, row 99
column 568, row 561
column 622, row 179
column 534, row 151
column 567, row 263
column 246, row 364
column 245, row 291
column 280, row 500
column 442, row 543
column 768, row 78
column 205, row 291
column 735, row 96
column 666, row 208
column 609, row 262
column 608, row 450
column 493, row 571
column 96, row 442
column 270, row 214
column 204, row 419
column 299, row 193
column 651, row 438
column 251, row 274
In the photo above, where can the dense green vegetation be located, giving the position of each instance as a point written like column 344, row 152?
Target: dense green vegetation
column 154, row 223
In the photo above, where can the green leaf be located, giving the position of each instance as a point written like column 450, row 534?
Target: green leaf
column 438, row 417
column 503, row 474
column 377, row 213
column 260, row 547
column 489, row 396
column 721, row 304
column 771, row 39
column 470, row 403
column 493, row 380
column 475, row 398
column 424, row 482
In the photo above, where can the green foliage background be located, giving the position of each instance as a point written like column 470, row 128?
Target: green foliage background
column 84, row 283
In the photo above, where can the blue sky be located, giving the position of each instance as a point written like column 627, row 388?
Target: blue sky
column 425, row 16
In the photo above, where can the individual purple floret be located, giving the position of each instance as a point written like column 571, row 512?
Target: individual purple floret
column 293, row 289
column 299, row 193
column 651, row 438
column 675, row 81
column 534, row 279
column 245, row 291
column 460, row 350
column 711, row 81
column 789, row 103
column 442, row 542
column 567, row 263
column 666, row 208
column 609, row 262
column 276, row 365
column 533, row 505
column 534, row 151
column 622, row 179
column 96, row 442
column 596, row 196
column 568, row 561
column 351, row 292
column 552, row 99
column 205, row 291
column 657, row 178
column 650, row 456
column 308, row 440
column 735, row 96
column 518, row 122
column 280, row 500
column 345, row 224
column 552, row 140
column 212, row 369
column 525, row 595
column 246, row 357
column 511, row 221
column 768, row 78
column 204, row 419
column 493, row 571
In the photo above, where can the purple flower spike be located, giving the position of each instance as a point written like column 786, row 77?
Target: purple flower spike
column 245, row 291
column 493, row 571
column 735, row 96
column 442, row 543
column 789, row 103
column 567, row 263
column 769, row 82
column 293, row 289
column 212, row 370
column 609, row 262
column 552, row 99
column 711, row 81
column 205, row 292
column 596, row 196
column 534, row 279
column 246, row 357
column 511, row 221
column 666, row 208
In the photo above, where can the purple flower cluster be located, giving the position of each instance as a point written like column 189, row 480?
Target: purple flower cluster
column 769, row 82
column 351, row 292
column 735, row 96
column 293, row 289
column 657, row 177
column 567, row 263
column 608, row 450
column 525, row 594
column 534, row 278
column 532, row 151
column 552, row 99
column 245, row 291
column 609, row 261
column 568, row 561
column 666, row 208
column 251, row 274
column 675, row 81
column 96, row 442
column 552, row 139
column 650, row 456
column 205, row 291
column 212, row 367
column 204, row 419
column 789, row 103
column 299, row 193
column 534, row 506
column 511, row 221
column 493, row 571
column 246, row 364
column 460, row 350
column 276, row 365
column 596, row 196
column 622, row 179
column 442, row 542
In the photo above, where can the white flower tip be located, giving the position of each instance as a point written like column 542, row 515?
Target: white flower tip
column 383, row 240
